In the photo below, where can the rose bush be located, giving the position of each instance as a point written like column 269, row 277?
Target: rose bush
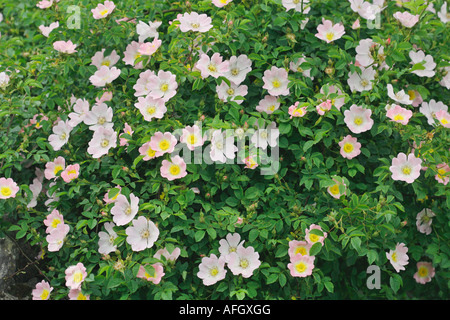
column 318, row 132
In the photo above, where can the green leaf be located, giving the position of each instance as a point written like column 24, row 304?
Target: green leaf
column 199, row 235
column 253, row 235
column 329, row 286
column 356, row 243
column 272, row 278
column 315, row 249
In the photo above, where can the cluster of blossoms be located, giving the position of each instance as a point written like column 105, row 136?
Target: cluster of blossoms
column 154, row 89
column 239, row 259
column 301, row 262
column 399, row 259
column 74, row 277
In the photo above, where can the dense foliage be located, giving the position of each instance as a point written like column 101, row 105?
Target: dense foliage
column 321, row 73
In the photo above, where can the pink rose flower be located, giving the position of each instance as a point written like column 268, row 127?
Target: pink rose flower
column 142, row 234
column 163, row 143
column 276, row 81
column 301, row 265
column 71, row 172
column 407, row 19
column 65, row 47
column 214, row 66
column 405, row 168
column 156, row 277
column 399, row 114
column 103, row 10
column 173, row 169
column 100, row 60
column 358, row 119
column 75, row 276
column 312, row 238
column 329, row 32
column 42, row 291
column 350, row 147
column 243, row 261
column 124, row 211
column 296, row 111
column 398, row 257
column 425, row 272
column 146, row 151
column 212, row 269
column 102, row 140
column 298, row 248
column 194, row 22
column 104, row 75
column 151, row 108
column 53, row 167
column 46, row 30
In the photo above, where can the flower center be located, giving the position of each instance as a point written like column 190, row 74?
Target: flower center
column 174, row 170
column 44, row 295
column 151, row 152
column 63, row 136
column 358, row 121
column 348, row 147
column 103, row 12
column 151, row 110
column 106, row 63
column 6, row 191
column 101, row 120
column 55, row 222
column 243, row 263
column 313, row 237
column 164, row 145
column 272, row 108
column 81, row 296
column 104, row 143
column 399, row 117
column 412, row 94
column 214, row 271
column 128, row 211
column 77, row 277
column 406, row 170
column 192, row 139
column 276, row 83
column 235, row 71
column 57, row 169
column 263, row 134
column 145, row 234
column 364, row 83
column 394, row 257
column 444, row 121
column 441, row 173
column 195, row 25
column 334, row 189
column 70, row 172
column 301, row 250
column 164, row 87
column 219, row 145
column 212, row 68
column 300, row 267
column 230, row 91
column 329, row 36
column 423, row 272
